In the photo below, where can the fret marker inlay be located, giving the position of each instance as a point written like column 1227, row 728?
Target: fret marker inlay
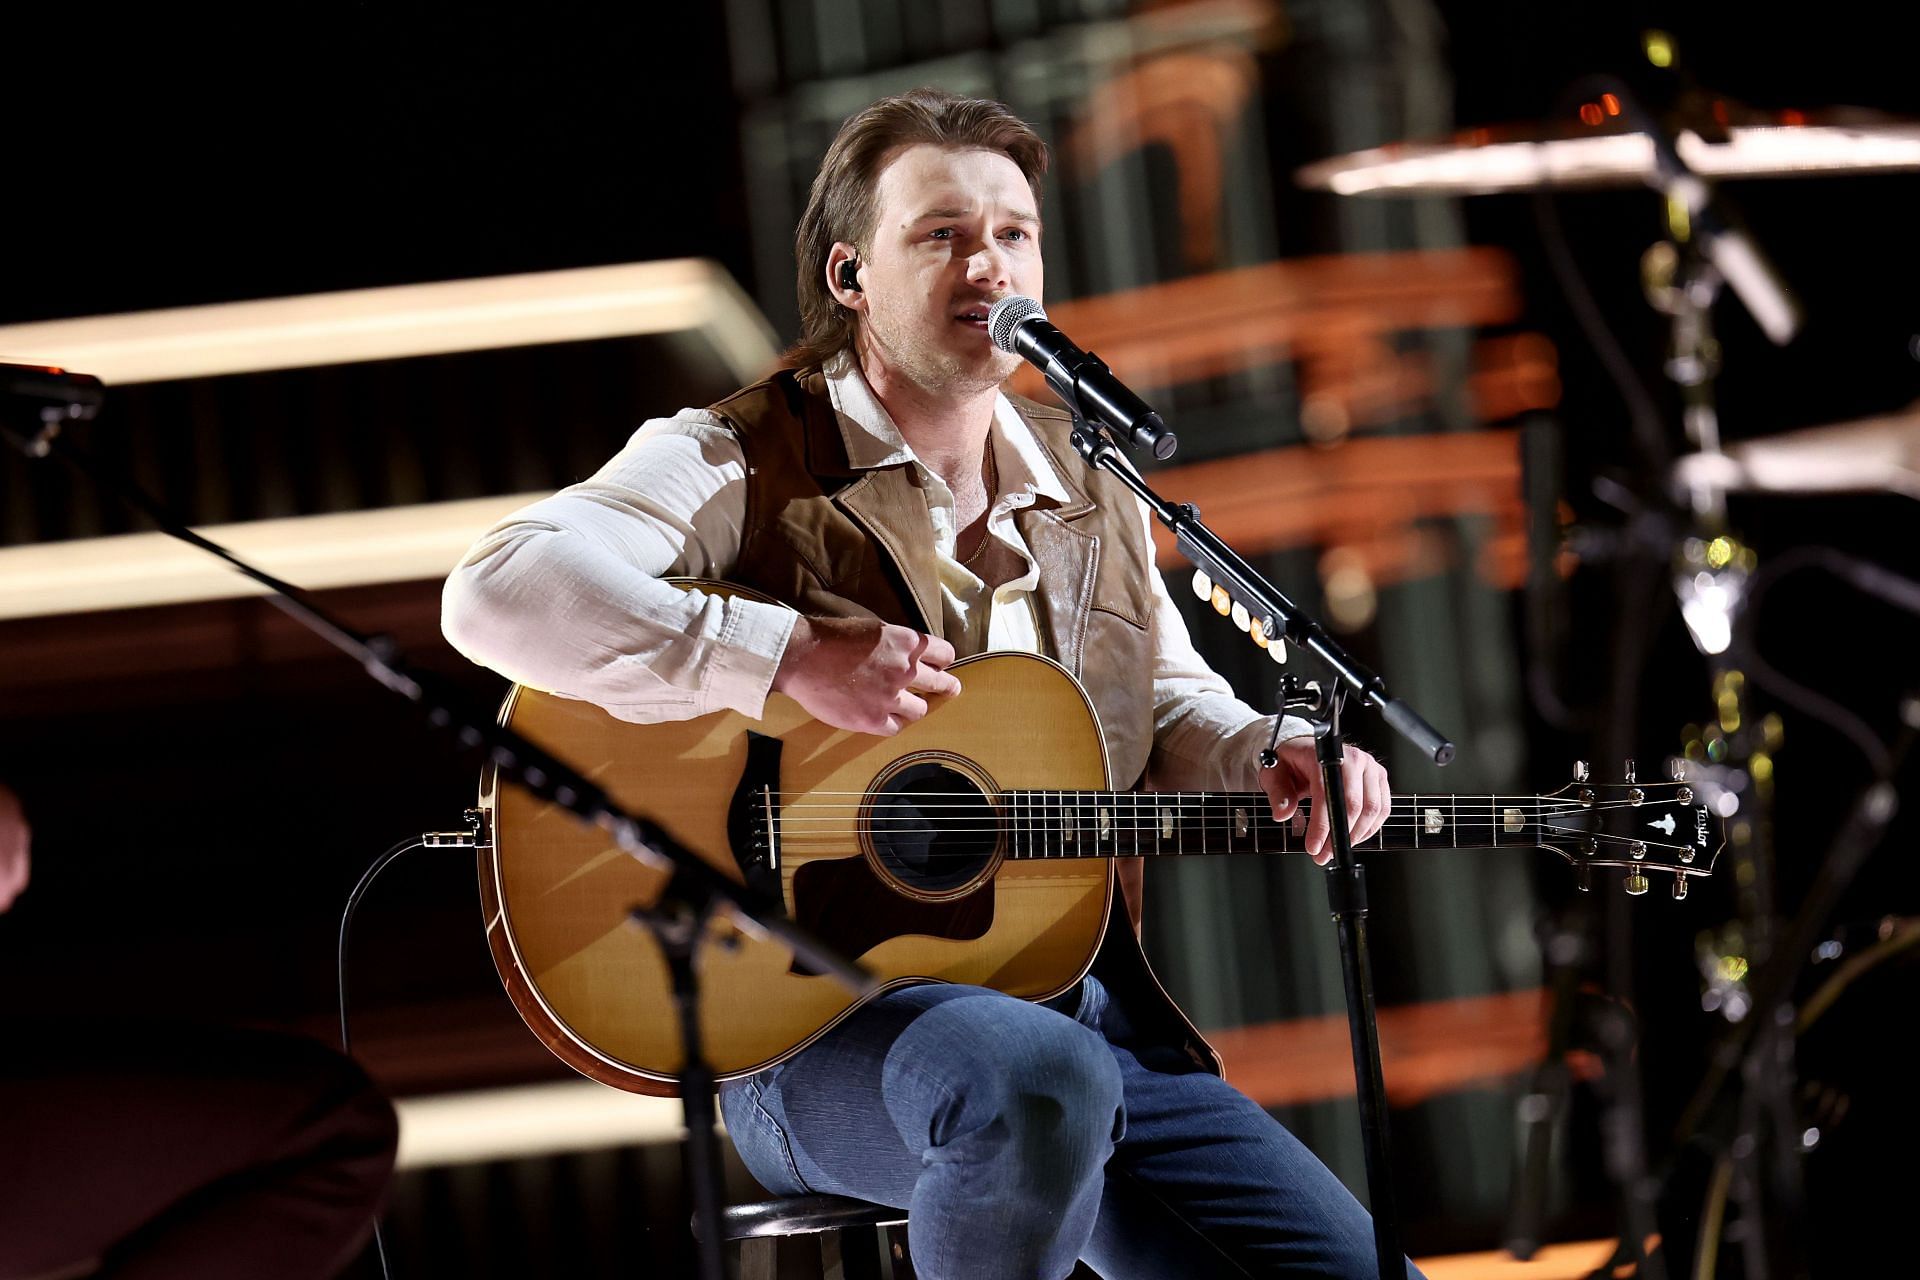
column 1240, row 823
column 1166, row 824
column 1435, row 822
column 1511, row 819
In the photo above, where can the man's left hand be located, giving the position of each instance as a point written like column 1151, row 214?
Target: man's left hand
column 1297, row 778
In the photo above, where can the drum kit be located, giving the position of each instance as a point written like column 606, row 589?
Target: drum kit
column 1608, row 139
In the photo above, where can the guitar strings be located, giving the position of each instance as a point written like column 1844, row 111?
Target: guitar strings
column 1130, row 815
column 842, row 849
column 1033, row 800
column 1200, row 797
column 1057, row 836
column 1045, row 817
column 884, row 811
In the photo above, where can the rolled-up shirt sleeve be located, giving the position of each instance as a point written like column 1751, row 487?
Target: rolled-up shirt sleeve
column 565, row 595
column 1204, row 738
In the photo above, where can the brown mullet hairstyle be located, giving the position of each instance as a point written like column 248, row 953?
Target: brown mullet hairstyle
column 841, row 204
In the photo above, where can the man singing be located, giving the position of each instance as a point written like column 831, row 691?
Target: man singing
column 910, row 511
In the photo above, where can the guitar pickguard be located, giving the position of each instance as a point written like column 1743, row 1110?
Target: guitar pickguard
column 844, row 900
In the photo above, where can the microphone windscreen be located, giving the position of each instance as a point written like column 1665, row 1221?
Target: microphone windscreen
column 1009, row 314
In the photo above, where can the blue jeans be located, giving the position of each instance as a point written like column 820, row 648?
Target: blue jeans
column 1020, row 1138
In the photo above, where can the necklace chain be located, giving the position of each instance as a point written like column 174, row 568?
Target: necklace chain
column 991, row 480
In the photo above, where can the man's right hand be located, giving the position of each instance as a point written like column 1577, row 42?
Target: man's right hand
column 863, row 674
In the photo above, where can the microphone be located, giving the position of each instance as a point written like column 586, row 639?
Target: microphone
column 50, row 393
column 1019, row 325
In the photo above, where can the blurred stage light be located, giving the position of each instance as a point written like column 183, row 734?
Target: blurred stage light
column 357, row 548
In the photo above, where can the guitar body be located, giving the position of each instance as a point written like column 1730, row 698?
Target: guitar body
column 595, row 987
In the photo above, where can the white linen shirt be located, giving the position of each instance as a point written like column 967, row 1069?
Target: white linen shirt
column 565, row 594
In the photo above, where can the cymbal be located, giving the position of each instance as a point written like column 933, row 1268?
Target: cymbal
column 1879, row 454
column 1609, row 154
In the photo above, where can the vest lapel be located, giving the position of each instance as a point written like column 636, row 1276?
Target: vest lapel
column 891, row 508
column 1067, row 555
column 1068, row 558
column 885, row 502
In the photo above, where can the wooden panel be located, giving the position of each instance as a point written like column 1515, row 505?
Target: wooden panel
column 1430, row 1048
column 1365, row 494
column 1572, row 1261
column 1165, row 334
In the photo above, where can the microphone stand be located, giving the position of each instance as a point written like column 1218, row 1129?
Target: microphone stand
column 1279, row 619
column 694, row 893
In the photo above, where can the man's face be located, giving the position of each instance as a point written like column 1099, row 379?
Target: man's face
column 952, row 229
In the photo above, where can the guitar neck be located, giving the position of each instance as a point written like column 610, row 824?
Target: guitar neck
column 1099, row 824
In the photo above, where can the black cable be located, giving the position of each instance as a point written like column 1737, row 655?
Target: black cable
column 346, row 1036
column 1647, row 424
column 1863, row 576
column 1649, row 432
column 346, row 923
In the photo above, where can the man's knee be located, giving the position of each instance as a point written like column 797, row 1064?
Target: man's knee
column 1032, row 1080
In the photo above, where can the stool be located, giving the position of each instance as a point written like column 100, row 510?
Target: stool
column 858, row 1240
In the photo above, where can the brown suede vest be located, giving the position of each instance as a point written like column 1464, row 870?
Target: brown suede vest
column 831, row 540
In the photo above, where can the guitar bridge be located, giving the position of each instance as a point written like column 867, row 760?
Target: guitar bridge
column 753, row 816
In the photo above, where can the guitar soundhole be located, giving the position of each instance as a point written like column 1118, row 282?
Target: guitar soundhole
column 932, row 828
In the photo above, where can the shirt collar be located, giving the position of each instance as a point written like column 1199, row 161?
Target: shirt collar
column 872, row 440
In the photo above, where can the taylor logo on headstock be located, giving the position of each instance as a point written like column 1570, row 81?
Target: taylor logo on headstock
column 1663, row 824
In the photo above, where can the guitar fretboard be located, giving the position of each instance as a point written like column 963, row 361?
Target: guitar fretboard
column 1083, row 824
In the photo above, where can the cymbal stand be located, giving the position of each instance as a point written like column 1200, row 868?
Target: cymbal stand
column 1710, row 572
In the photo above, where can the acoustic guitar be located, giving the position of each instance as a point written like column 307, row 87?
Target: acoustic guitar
column 975, row 846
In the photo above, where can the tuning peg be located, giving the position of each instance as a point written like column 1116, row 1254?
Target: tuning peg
column 1679, row 888
column 1677, row 768
column 1581, row 771
column 1583, row 877
column 1636, row 883
column 1630, row 771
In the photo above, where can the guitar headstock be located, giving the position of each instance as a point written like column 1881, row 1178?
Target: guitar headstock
column 1640, row 827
